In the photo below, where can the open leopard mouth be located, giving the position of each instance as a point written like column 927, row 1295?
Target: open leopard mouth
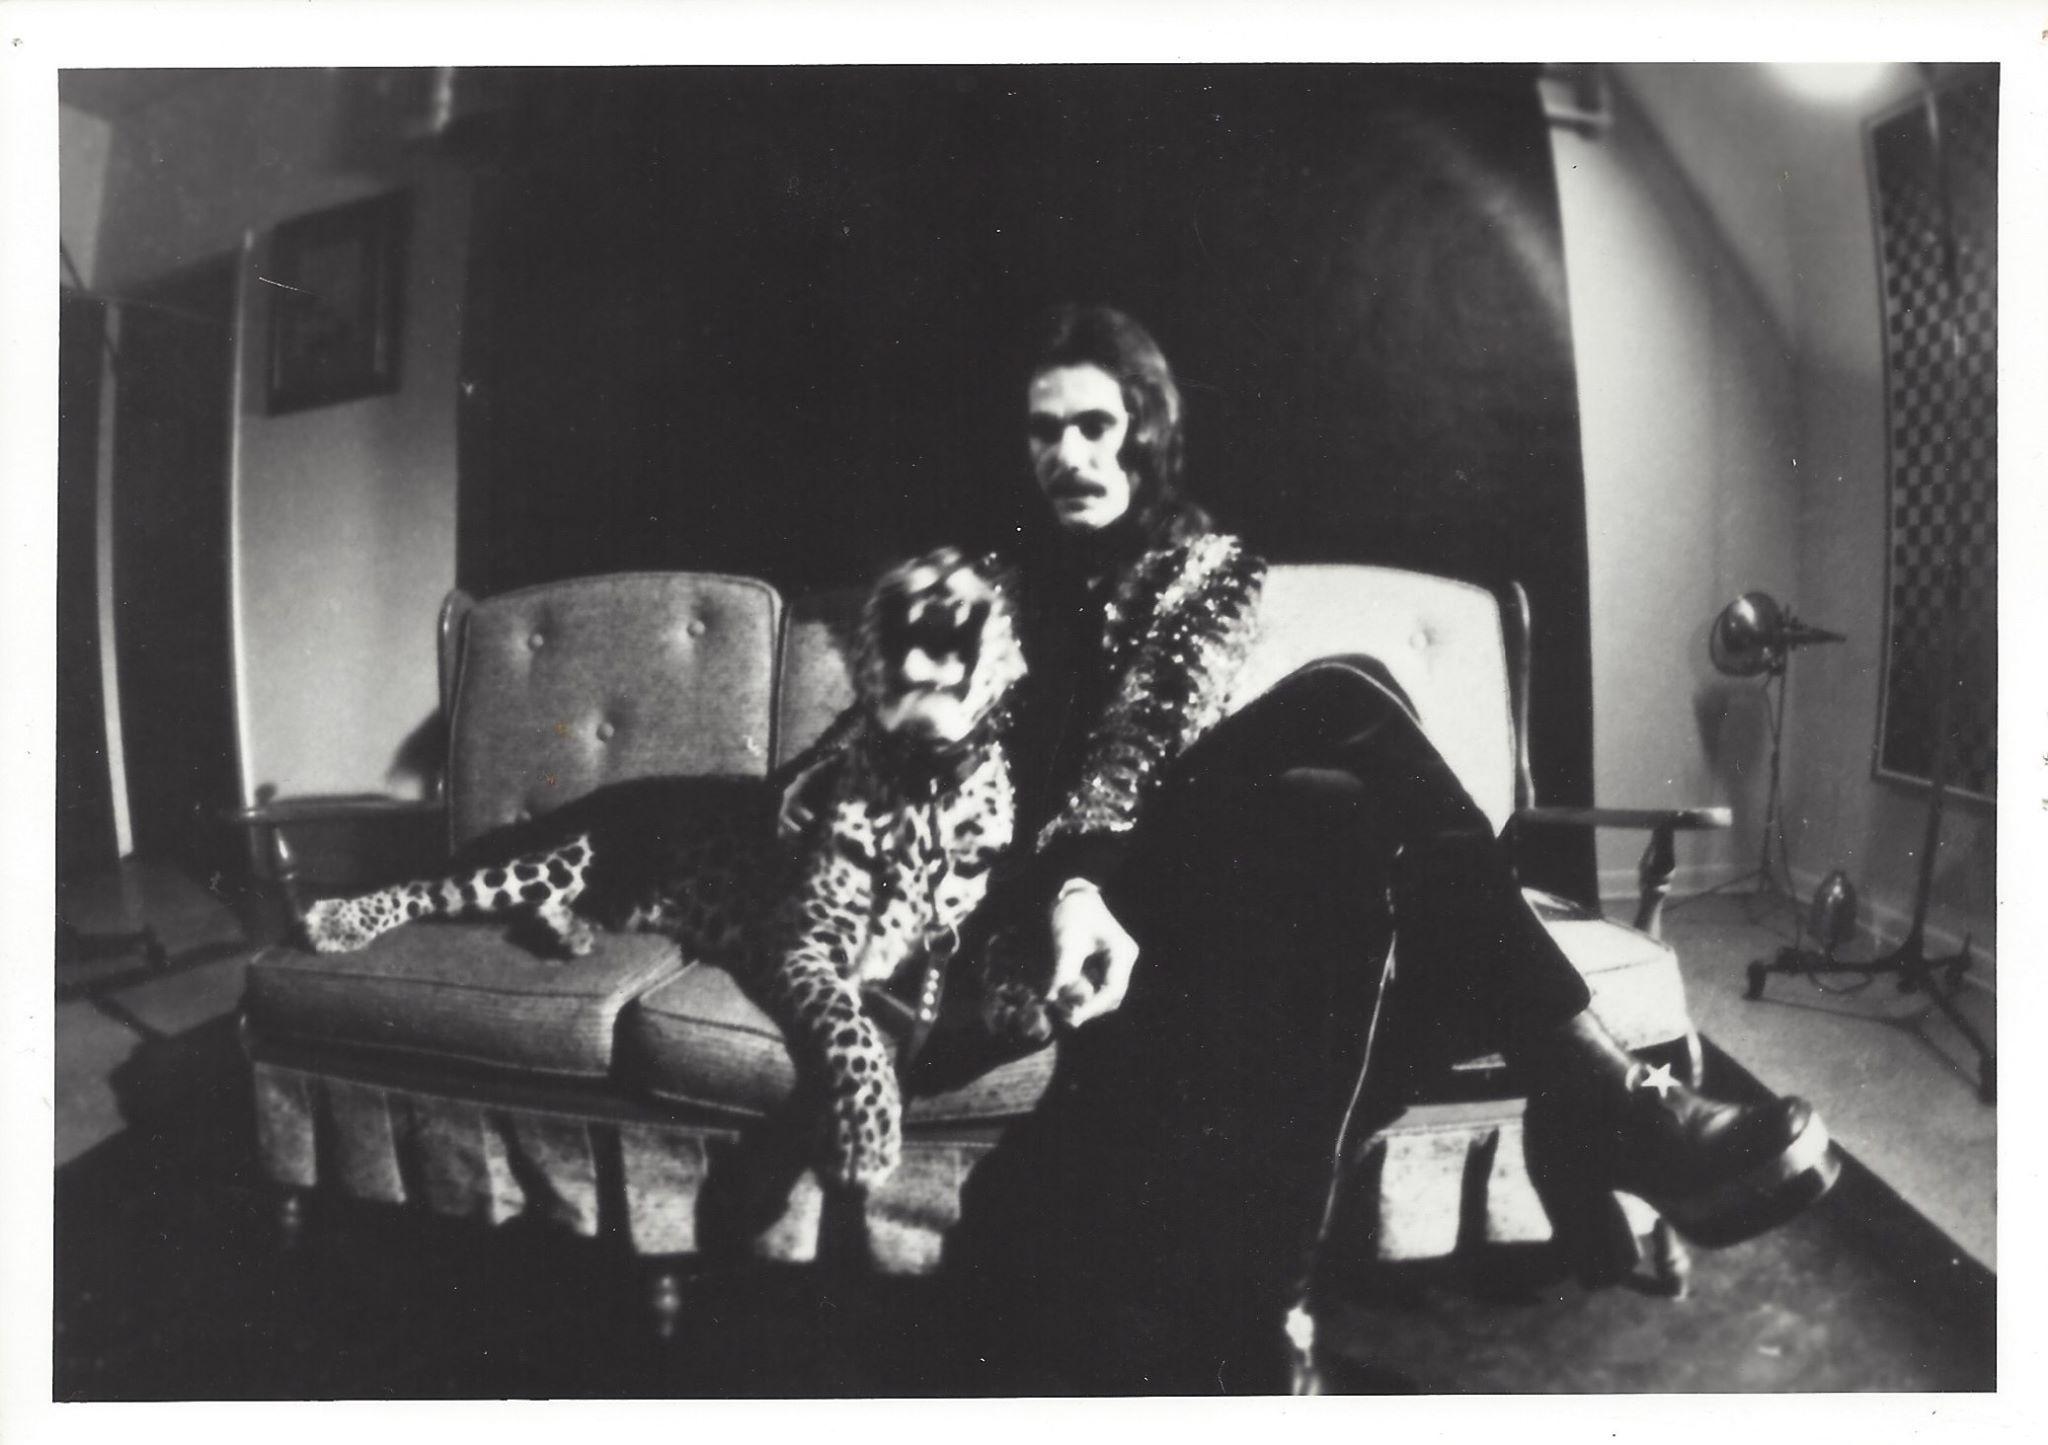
column 935, row 649
column 938, row 653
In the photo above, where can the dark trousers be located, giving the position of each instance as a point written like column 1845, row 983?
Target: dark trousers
column 1156, row 1216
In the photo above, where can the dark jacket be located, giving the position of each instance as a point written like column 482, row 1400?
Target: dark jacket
column 1144, row 668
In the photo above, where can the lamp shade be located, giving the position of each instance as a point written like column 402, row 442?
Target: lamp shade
column 1753, row 634
column 1743, row 642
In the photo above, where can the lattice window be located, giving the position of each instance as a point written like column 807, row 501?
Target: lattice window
column 1942, row 419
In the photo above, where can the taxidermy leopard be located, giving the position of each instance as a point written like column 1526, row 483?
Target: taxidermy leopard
column 910, row 804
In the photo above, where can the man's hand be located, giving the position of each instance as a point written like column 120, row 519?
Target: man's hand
column 1092, row 956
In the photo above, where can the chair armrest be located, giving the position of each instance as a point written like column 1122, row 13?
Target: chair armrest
column 268, row 822
column 1653, row 873
column 354, row 805
column 1681, row 819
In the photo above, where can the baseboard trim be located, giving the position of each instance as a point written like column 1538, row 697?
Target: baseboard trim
column 1620, row 887
column 1885, row 923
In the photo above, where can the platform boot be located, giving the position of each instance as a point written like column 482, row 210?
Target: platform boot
column 1720, row 1173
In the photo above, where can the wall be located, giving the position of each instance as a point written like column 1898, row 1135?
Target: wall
column 1722, row 227
column 343, row 516
column 1843, row 816
column 1724, row 303
column 83, row 142
column 1688, row 420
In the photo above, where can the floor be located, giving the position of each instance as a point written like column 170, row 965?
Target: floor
column 158, row 1208
column 110, row 1000
column 1893, row 1078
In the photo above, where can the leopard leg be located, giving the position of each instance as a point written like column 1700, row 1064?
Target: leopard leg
column 804, row 961
column 860, row 1141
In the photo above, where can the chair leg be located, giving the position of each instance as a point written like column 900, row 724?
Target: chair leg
column 1670, row 1261
column 1304, row 1377
column 844, row 1248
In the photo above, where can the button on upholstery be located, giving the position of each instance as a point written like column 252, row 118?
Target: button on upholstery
column 695, row 627
column 605, row 731
column 536, row 642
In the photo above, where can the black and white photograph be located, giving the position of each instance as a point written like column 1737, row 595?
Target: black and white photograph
column 927, row 722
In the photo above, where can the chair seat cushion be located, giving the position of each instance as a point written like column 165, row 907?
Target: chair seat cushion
column 697, row 1039
column 462, row 992
column 1637, row 989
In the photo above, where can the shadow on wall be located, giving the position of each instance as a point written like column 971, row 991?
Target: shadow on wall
column 1734, row 729
column 421, row 761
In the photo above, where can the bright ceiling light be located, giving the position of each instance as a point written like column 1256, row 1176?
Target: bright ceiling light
column 1836, row 82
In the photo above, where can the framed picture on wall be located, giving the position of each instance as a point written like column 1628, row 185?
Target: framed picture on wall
column 335, row 305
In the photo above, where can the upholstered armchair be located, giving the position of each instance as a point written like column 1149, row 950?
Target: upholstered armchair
column 640, row 1093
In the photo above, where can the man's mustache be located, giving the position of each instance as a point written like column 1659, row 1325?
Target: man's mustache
column 1062, row 487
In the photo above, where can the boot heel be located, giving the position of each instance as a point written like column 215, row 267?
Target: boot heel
column 1590, row 1230
column 1596, row 1240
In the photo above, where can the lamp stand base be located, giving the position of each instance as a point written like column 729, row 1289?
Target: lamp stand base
column 1758, row 889
column 1916, row 972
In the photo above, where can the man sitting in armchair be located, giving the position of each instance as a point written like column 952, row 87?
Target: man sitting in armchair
column 1222, row 900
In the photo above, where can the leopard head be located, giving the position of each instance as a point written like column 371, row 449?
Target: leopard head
column 939, row 654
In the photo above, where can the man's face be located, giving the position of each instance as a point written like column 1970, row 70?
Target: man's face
column 1077, row 427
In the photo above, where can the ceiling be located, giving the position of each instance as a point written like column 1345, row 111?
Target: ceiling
column 1760, row 145
column 111, row 94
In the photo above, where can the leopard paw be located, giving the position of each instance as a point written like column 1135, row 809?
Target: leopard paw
column 336, row 925
column 863, row 1141
column 578, row 938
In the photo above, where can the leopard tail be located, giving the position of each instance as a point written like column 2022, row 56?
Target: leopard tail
column 547, row 882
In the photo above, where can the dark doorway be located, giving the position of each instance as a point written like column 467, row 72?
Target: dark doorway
column 172, row 418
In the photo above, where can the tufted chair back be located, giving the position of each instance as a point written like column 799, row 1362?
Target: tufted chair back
column 561, row 688
column 817, row 676
column 1441, row 639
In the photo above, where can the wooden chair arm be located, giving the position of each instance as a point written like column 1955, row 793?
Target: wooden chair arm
column 1653, row 873
column 1678, row 819
column 268, row 820
column 354, row 805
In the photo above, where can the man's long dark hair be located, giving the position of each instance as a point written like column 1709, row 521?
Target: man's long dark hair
column 1061, row 614
column 1161, row 512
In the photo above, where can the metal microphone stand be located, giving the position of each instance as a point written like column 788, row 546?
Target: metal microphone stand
column 1772, row 859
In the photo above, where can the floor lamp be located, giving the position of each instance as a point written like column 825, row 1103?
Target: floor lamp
column 1754, row 637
